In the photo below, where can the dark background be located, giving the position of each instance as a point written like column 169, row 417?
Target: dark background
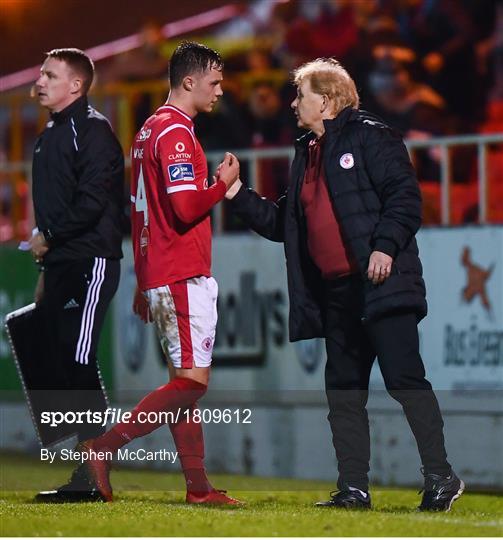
column 29, row 27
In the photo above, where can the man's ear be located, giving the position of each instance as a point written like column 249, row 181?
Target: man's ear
column 324, row 103
column 76, row 85
column 188, row 83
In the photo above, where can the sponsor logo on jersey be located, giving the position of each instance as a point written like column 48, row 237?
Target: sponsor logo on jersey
column 179, row 147
column 178, row 157
column 182, row 171
column 144, row 134
column 347, row 161
column 138, row 153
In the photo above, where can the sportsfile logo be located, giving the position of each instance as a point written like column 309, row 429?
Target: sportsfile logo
column 182, row 171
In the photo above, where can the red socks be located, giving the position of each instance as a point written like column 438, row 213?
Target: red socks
column 179, row 393
column 189, row 440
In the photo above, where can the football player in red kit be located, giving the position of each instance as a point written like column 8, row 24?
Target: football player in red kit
column 171, row 234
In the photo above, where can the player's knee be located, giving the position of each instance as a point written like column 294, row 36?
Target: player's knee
column 200, row 375
column 191, row 388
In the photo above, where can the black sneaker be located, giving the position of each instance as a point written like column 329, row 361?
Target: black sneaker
column 440, row 492
column 80, row 488
column 350, row 498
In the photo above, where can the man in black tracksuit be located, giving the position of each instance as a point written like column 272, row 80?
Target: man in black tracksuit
column 348, row 222
column 78, row 182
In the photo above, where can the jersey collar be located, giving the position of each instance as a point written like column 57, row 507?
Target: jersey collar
column 170, row 107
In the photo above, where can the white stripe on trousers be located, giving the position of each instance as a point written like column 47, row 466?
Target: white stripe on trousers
column 92, row 299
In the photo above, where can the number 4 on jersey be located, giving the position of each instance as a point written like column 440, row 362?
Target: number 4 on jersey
column 140, row 200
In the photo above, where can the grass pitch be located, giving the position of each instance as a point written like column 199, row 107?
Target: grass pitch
column 150, row 503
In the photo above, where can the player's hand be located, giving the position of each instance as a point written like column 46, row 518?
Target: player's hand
column 141, row 307
column 39, row 246
column 232, row 190
column 228, row 170
column 379, row 267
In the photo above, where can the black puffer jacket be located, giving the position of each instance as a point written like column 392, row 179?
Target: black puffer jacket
column 378, row 203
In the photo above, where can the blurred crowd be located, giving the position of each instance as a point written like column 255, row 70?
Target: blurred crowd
column 426, row 67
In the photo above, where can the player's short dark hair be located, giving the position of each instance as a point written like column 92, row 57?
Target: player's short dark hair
column 190, row 57
column 78, row 61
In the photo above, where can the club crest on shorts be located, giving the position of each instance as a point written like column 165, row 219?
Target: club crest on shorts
column 206, row 344
column 347, row 161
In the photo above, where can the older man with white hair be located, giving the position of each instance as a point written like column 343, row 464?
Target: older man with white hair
column 348, row 221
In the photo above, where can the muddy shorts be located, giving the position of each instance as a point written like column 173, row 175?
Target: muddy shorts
column 185, row 314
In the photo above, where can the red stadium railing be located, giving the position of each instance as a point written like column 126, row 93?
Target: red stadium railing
column 448, row 200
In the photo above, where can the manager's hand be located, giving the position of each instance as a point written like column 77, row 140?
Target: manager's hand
column 233, row 190
column 379, row 267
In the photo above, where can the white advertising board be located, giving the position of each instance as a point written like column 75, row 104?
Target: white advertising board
column 256, row 366
column 281, row 384
column 461, row 338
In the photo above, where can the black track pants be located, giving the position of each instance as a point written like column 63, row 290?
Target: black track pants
column 75, row 301
column 351, row 350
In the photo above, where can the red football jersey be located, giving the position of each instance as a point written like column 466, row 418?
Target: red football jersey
column 166, row 158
